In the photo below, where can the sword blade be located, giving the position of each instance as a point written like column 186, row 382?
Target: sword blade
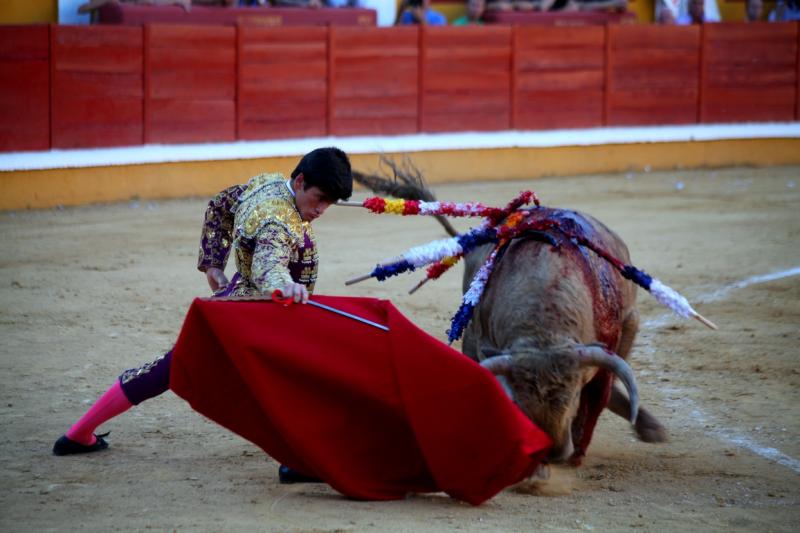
column 348, row 315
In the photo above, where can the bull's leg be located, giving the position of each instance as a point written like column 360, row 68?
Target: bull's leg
column 469, row 344
column 630, row 326
column 648, row 428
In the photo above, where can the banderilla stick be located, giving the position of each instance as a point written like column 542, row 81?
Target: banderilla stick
column 703, row 320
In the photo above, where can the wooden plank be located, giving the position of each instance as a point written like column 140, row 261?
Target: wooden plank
column 476, row 37
column 736, row 32
column 435, row 122
column 403, row 106
column 297, row 35
column 367, row 126
column 399, row 37
column 118, row 37
column 444, row 81
column 102, row 111
column 98, row 135
column 468, row 102
column 191, row 111
column 279, row 54
column 24, row 42
column 635, row 37
column 192, row 58
column 559, row 38
column 81, row 85
column 677, row 78
column 205, row 37
column 566, row 80
column 193, row 132
column 265, row 109
column 559, row 109
column 567, row 59
column 208, row 84
column 283, row 129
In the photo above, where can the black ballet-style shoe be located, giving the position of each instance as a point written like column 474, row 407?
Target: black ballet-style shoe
column 287, row 476
column 65, row 446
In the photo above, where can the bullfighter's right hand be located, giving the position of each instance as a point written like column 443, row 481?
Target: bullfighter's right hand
column 296, row 291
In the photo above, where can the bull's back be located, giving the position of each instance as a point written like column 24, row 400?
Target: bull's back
column 553, row 293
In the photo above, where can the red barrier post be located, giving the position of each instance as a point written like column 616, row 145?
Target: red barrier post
column 192, row 83
column 560, row 77
column 283, row 85
column 751, row 72
column 653, row 74
column 24, row 88
column 466, row 78
column 374, row 80
column 97, row 86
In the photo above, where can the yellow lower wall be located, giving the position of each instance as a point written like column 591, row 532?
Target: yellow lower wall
column 28, row 11
column 76, row 186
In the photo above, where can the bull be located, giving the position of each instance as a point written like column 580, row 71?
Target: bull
column 555, row 323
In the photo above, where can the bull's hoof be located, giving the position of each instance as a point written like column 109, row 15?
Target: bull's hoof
column 651, row 431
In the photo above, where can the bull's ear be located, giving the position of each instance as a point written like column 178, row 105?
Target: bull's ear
column 499, row 365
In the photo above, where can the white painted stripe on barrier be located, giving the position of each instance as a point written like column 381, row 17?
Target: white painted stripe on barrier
column 727, row 435
column 422, row 142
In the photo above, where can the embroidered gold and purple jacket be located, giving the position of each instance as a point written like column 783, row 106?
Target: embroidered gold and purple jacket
column 271, row 243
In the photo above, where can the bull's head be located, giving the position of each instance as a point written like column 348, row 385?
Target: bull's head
column 547, row 384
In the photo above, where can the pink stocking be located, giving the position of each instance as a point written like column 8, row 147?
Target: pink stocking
column 112, row 403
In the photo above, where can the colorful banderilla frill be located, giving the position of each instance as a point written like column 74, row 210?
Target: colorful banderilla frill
column 499, row 227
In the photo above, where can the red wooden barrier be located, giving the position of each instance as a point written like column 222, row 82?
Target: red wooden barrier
column 466, row 78
column 97, row 86
column 559, row 77
column 653, row 74
column 24, row 88
column 283, row 82
column 374, row 80
column 750, row 72
column 134, row 14
column 797, row 92
column 191, row 83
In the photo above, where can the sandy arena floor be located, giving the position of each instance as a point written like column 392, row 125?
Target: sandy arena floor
column 88, row 292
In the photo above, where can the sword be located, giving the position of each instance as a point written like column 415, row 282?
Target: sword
column 277, row 296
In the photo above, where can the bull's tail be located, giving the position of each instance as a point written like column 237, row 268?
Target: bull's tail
column 406, row 182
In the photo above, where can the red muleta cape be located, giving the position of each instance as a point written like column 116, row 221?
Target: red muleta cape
column 375, row 414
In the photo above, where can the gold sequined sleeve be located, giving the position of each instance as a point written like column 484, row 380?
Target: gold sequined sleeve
column 273, row 251
column 215, row 242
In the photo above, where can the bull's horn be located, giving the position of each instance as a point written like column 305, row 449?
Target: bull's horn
column 596, row 356
column 499, row 365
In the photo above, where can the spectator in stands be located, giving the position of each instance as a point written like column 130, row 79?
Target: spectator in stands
column 686, row 11
column 298, row 3
column 752, row 10
column 499, row 5
column 785, row 10
column 419, row 12
column 475, row 10
column 92, row 5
